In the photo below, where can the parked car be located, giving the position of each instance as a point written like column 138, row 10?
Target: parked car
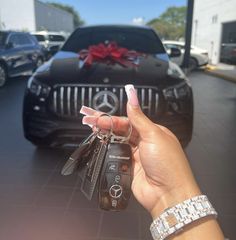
column 58, row 89
column 198, row 56
column 228, row 53
column 19, row 54
column 50, row 41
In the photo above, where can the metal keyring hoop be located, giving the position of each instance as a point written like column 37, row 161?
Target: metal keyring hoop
column 99, row 129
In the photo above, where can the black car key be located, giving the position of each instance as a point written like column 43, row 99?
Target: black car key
column 94, row 165
column 78, row 155
column 116, row 177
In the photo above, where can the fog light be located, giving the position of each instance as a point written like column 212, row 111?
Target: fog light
column 36, row 108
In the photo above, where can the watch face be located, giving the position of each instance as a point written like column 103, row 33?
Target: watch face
column 171, row 220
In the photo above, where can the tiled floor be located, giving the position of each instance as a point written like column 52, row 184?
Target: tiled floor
column 37, row 203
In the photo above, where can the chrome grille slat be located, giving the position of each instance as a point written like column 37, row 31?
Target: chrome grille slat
column 121, row 100
column 149, row 100
column 76, row 101
column 156, row 103
column 62, row 100
column 67, row 99
column 142, row 98
column 55, row 101
column 90, row 97
column 82, row 96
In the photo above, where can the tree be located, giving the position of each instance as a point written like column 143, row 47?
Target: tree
column 170, row 24
column 77, row 21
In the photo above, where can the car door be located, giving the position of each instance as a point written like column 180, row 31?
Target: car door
column 15, row 57
column 30, row 51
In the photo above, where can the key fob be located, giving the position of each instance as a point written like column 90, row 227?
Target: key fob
column 116, row 177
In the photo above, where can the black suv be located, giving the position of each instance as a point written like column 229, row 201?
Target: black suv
column 61, row 86
column 20, row 54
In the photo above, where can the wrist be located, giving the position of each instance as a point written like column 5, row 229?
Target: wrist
column 173, row 197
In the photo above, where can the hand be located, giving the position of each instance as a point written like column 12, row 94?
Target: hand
column 162, row 176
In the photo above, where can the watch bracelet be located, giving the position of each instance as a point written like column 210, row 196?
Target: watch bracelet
column 173, row 219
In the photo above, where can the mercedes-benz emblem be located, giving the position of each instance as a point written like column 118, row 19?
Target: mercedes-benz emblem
column 115, row 191
column 106, row 101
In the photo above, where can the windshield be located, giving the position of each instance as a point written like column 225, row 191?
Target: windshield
column 141, row 40
column 3, row 36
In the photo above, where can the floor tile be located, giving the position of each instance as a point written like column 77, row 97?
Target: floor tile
column 57, row 179
column 80, row 224
column 146, row 221
column 124, row 225
column 54, row 197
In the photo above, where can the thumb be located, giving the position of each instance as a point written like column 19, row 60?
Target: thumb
column 137, row 118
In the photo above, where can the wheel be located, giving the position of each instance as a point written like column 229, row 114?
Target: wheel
column 193, row 64
column 3, row 75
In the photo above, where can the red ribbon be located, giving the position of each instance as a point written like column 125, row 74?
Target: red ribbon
column 109, row 54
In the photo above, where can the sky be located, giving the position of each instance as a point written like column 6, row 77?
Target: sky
column 120, row 11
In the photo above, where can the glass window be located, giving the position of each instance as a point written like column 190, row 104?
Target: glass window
column 141, row 40
column 14, row 39
column 39, row 37
column 56, row 38
column 232, row 37
column 25, row 40
column 3, row 36
column 79, row 40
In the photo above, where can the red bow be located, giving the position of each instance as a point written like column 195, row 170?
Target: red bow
column 109, row 54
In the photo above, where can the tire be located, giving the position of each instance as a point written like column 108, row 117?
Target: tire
column 193, row 64
column 3, row 75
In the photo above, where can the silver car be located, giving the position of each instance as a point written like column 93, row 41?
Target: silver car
column 198, row 56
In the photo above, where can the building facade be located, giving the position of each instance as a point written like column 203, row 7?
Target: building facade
column 33, row 15
column 214, row 23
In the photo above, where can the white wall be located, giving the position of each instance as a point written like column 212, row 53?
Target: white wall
column 207, row 24
column 17, row 15
column 52, row 19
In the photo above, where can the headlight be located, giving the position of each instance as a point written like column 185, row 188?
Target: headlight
column 176, row 92
column 175, row 71
column 37, row 88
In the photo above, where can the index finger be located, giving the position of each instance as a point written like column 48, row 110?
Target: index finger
column 118, row 125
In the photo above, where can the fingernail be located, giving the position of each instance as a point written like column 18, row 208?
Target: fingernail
column 89, row 120
column 132, row 95
column 86, row 111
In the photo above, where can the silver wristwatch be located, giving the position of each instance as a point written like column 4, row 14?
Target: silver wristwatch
column 173, row 219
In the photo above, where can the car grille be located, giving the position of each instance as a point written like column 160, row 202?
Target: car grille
column 66, row 100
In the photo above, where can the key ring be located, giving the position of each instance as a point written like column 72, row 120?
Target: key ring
column 111, row 134
column 99, row 131
column 116, row 138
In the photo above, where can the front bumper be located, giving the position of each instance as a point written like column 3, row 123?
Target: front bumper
column 44, row 127
column 42, row 131
column 203, row 60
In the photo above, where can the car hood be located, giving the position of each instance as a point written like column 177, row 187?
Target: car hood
column 65, row 67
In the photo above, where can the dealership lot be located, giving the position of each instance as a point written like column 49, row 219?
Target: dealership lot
column 36, row 202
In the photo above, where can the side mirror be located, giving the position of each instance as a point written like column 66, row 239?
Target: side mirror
column 174, row 52
column 54, row 49
column 9, row 45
